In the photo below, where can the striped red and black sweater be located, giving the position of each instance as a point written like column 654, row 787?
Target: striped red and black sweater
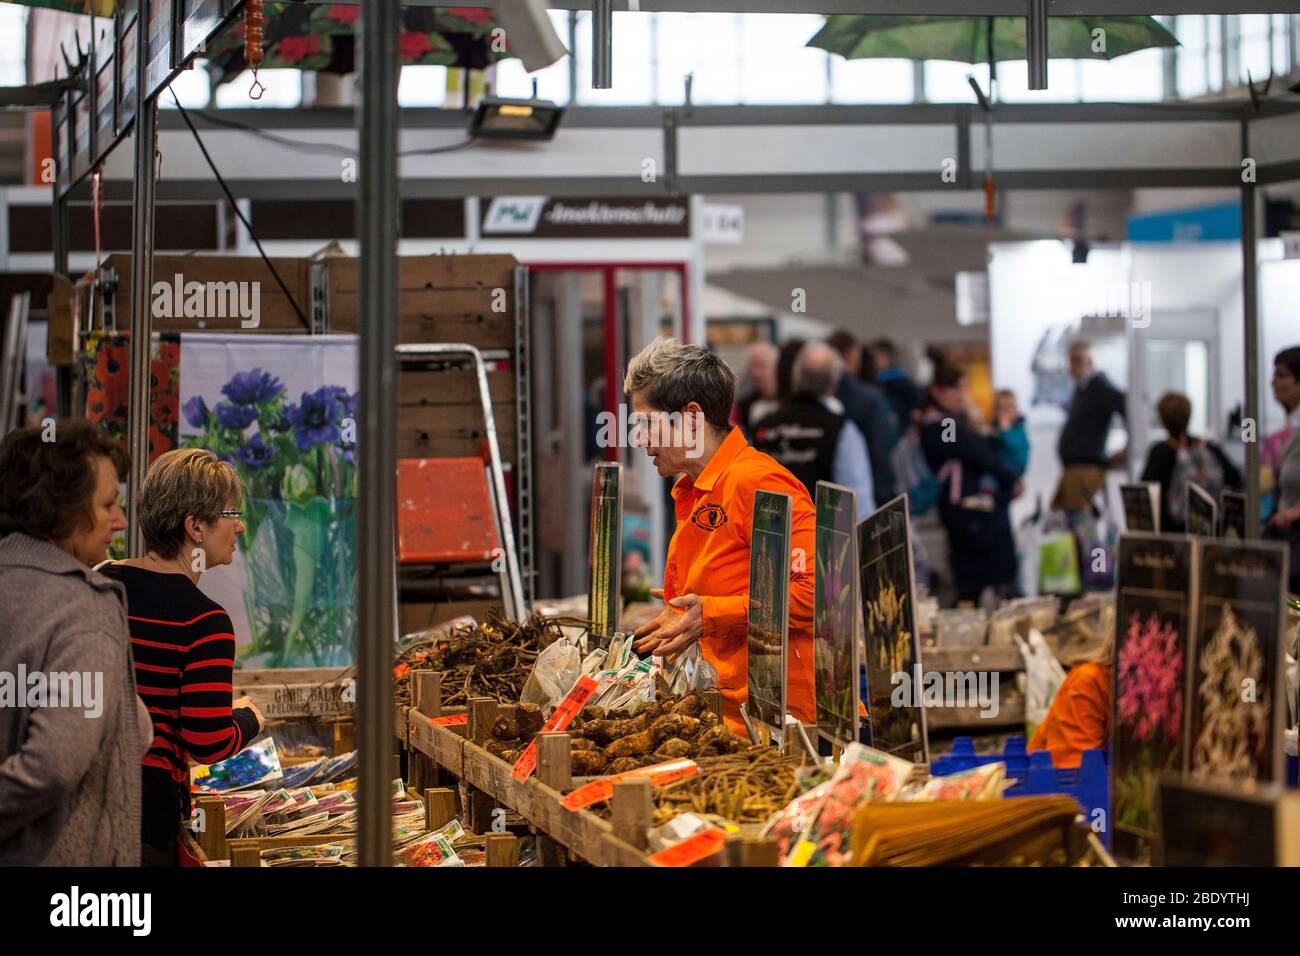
column 184, row 648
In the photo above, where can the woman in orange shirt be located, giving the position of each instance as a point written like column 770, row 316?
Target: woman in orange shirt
column 1079, row 718
column 681, row 399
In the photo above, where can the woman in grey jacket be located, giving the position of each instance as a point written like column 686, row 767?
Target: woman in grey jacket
column 72, row 729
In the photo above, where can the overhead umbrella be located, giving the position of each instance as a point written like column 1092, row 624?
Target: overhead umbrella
column 322, row 38
column 986, row 39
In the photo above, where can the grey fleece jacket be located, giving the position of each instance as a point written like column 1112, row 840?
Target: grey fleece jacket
column 69, row 778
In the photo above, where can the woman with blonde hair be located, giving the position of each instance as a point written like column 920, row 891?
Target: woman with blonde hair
column 183, row 641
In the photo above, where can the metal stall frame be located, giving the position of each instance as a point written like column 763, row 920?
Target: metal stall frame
column 378, row 118
column 613, row 339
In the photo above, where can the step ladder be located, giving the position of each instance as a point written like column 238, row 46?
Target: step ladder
column 458, row 534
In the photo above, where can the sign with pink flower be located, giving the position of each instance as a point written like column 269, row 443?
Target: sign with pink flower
column 1153, row 631
column 281, row 409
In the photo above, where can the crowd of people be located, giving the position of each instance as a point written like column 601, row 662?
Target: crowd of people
column 848, row 412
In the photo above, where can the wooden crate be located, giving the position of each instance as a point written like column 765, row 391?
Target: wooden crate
column 276, row 314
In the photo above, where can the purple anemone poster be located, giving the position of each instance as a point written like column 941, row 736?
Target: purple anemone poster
column 281, row 409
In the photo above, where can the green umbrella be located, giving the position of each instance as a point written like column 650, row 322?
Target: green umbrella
column 986, row 40
column 970, row 39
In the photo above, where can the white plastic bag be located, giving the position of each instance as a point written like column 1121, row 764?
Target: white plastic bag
column 1043, row 676
column 555, row 671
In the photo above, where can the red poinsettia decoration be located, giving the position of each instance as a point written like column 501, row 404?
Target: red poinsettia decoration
column 480, row 16
column 412, row 46
column 343, row 12
column 293, row 49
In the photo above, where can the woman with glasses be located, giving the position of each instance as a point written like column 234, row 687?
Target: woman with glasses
column 183, row 641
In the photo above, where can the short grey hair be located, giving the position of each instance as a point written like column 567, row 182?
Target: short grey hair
column 817, row 369
column 183, row 482
column 669, row 376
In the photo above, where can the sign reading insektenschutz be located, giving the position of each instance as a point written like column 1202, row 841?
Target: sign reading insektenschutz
column 548, row 217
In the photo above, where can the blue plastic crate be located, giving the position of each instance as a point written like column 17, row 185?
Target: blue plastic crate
column 1036, row 776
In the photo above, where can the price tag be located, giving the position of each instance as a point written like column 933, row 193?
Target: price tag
column 450, row 720
column 660, row 775
column 559, row 720
column 691, row 850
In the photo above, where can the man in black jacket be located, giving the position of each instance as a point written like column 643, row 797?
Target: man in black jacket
column 811, row 436
column 1082, row 445
column 868, row 408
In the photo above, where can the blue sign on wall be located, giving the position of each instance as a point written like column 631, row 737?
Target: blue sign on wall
column 1219, row 223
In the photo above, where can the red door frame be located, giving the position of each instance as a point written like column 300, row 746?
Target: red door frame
column 613, row 344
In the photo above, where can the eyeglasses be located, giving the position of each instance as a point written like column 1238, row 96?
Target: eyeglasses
column 232, row 514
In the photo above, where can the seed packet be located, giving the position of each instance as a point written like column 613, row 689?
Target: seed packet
column 432, row 850
column 978, row 783
column 254, row 766
column 399, row 789
column 814, row 829
column 336, row 767
column 303, row 773
column 326, row 855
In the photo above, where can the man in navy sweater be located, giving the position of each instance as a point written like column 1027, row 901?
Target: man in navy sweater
column 1082, row 445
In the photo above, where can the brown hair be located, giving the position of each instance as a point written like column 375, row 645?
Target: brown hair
column 1175, row 411
column 180, row 483
column 48, row 477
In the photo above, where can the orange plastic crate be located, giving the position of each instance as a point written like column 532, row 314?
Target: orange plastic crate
column 444, row 512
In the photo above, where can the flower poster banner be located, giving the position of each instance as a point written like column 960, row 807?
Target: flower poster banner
column 1153, row 634
column 1238, row 697
column 836, row 613
column 282, row 410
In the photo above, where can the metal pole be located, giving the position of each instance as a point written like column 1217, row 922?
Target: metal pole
column 1036, row 44
column 1250, row 308
column 137, row 405
column 602, row 45
column 377, row 212
column 59, row 210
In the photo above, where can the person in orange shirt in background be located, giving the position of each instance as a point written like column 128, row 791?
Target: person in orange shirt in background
column 681, row 399
column 1079, row 718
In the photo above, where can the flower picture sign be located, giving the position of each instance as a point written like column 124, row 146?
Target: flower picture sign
column 1153, row 633
column 282, row 411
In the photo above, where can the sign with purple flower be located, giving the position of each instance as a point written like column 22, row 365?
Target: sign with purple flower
column 282, row 410
column 1153, row 630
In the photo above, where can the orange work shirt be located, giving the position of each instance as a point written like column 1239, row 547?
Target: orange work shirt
column 1079, row 718
column 709, row 556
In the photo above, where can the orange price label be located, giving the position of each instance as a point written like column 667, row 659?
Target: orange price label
column 559, row 720
column 660, row 775
column 450, row 720
column 691, row 850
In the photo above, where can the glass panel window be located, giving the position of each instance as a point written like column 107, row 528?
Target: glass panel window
column 1254, row 56
column 191, row 88
column 13, row 45
column 1214, row 52
column 1135, row 77
column 1063, row 78
column 283, row 90
column 631, row 61
column 422, row 86
column 1192, row 75
column 1281, row 48
column 706, row 44
column 776, row 65
column 871, row 81
column 945, row 81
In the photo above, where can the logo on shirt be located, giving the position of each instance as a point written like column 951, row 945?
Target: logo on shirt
column 709, row 517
